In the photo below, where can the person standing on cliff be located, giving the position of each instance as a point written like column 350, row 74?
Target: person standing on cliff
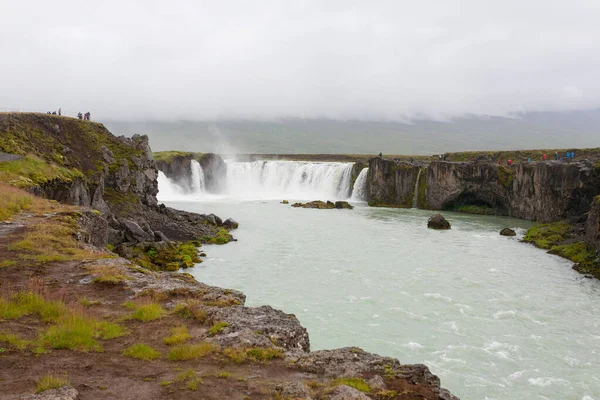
column 380, row 155
column 544, row 156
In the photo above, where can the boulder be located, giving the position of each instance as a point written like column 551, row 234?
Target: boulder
column 133, row 232
column 160, row 237
column 344, row 392
column 438, row 221
column 293, row 390
column 508, row 232
column 285, row 202
column 94, row 229
column 230, row 224
column 62, row 393
column 218, row 221
column 376, row 382
column 343, row 204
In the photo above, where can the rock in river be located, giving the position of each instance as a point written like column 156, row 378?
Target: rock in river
column 508, row 232
column 438, row 221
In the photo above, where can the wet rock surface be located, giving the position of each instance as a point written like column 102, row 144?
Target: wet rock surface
column 322, row 205
column 438, row 221
column 508, row 232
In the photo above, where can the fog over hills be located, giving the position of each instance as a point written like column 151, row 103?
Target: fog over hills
column 576, row 129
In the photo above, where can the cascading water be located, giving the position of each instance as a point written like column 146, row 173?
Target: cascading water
column 416, row 195
column 198, row 183
column 359, row 193
column 289, row 179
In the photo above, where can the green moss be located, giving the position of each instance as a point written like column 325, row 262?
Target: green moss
column 356, row 383
column 472, row 209
column 222, row 237
column 421, row 199
column 33, row 171
column 505, row 176
column 547, row 235
column 576, row 252
column 169, row 258
column 217, row 328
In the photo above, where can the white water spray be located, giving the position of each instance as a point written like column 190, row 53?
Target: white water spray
column 416, row 194
column 198, row 183
column 359, row 193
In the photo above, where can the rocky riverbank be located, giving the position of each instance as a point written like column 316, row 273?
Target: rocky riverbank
column 89, row 309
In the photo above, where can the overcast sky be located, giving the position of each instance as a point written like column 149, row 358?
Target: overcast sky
column 262, row 59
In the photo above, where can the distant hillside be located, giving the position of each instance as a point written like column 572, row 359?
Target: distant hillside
column 573, row 129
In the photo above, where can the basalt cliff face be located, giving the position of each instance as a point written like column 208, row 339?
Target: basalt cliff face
column 88, row 166
column 178, row 168
column 544, row 192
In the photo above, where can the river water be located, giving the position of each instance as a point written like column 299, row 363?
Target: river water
column 492, row 317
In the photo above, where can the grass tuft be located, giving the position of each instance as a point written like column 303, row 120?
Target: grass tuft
column 142, row 352
column 50, row 382
column 191, row 351
column 191, row 309
column 179, row 335
column 145, row 312
column 217, row 328
column 356, row 383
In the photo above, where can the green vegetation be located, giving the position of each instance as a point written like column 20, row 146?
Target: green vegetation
column 256, row 354
column 32, row 171
column 79, row 333
column 7, row 263
column 14, row 340
column 222, row 237
column 27, row 303
column 50, row 382
column 142, row 352
column 179, row 335
column 170, row 156
column 169, row 257
column 188, row 379
column 191, row 351
column 145, row 312
column 505, row 176
column 223, row 375
column 422, row 188
column 356, row 383
column 521, row 155
column 191, row 309
column 547, row 235
column 217, row 328
column 558, row 239
column 107, row 274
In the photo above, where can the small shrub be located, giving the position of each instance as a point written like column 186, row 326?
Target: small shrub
column 142, row 352
column 191, row 309
column 217, row 328
column 191, row 351
column 179, row 335
column 50, row 382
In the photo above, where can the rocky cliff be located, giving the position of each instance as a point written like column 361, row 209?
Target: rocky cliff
column 87, row 166
column 545, row 192
column 592, row 233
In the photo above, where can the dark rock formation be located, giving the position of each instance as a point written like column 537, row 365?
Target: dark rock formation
column 391, row 184
column 283, row 330
column 178, row 168
column 324, row 205
column 508, row 232
column 545, row 191
column 230, row 224
column 438, row 221
column 592, row 233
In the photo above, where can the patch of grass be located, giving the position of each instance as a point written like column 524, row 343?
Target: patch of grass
column 217, row 328
column 84, row 301
column 576, row 252
column 223, row 375
column 179, row 335
column 145, row 312
column 142, row 352
column 256, row 354
column 191, row 351
column 7, row 263
column 50, row 382
column 26, row 303
column 14, row 340
column 191, row 309
column 356, row 383
column 547, row 235
column 107, row 274
column 189, row 378
column 169, row 258
column 170, row 156
column 32, row 171
column 80, row 333
column 505, row 176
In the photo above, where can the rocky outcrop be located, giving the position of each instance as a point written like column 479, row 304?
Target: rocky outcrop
column 545, row 191
column 324, row 205
column 438, row 221
column 508, row 232
column 592, row 232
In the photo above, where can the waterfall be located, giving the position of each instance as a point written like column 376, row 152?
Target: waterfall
column 359, row 193
column 167, row 188
column 289, row 179
column 416, row 195
column 198, row 184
